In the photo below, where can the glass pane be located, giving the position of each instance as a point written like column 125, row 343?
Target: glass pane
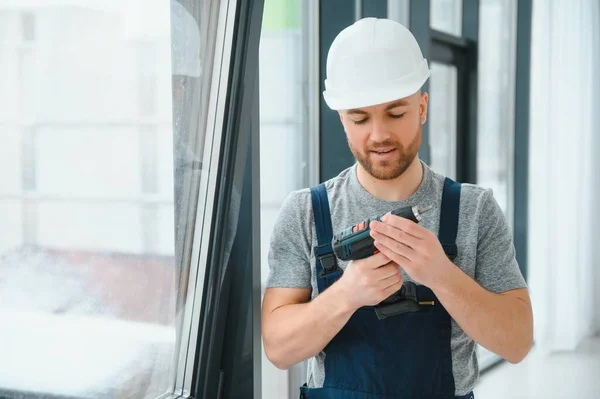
column 399, row 11
column 497, row 52
column 446, row 16
column 442, row 118
column 284, row 138
column 90, row 267
column 496, row 99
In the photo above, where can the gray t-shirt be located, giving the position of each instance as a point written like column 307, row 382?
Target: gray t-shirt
column 485, row 248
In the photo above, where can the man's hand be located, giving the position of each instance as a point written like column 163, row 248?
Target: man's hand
column 367, row 282
column 413, row 247
column 502, row 323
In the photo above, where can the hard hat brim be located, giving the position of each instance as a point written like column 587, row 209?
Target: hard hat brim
column 352, row 98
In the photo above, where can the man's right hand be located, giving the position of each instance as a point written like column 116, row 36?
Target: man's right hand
column 369, row 281
column 296, row 328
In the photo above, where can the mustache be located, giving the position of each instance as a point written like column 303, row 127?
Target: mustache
column 382, row 145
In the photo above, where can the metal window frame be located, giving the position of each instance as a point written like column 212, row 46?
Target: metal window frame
column 206, row 203
column 374, row 8
column 418, row 23
column 521, row 132
column 334, row 16
column 311, row 52
column 227, row 361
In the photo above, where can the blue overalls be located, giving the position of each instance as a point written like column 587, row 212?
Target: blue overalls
column 403, row 356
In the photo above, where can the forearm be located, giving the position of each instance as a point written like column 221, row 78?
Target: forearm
column 294, row 333
column 502, row 324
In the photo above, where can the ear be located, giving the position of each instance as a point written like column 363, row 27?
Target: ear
column 343, row 120
column 423, row 107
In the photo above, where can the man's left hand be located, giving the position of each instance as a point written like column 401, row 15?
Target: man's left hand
column 414, row 248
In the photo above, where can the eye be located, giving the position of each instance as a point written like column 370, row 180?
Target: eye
column 397, row 116
column 360, row 122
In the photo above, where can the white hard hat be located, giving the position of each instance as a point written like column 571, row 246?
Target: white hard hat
column 372, row 62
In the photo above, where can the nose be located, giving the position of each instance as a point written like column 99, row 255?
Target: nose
column 379, row 131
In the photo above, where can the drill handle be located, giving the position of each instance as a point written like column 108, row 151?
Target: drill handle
column 402, row 301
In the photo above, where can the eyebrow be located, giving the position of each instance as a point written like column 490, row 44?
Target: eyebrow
column 389, row 107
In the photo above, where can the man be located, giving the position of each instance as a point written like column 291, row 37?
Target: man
column 471, row 287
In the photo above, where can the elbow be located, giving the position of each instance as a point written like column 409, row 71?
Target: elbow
column 520, row 351
column 274, row 350
column 275, row 353
column 281, row 365
column 517, row 357
column 276, row 358
column 523, row 340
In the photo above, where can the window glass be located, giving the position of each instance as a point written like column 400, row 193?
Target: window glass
column 446, row 16
column 497, row 48
column 442, row 118
column 284, row 140
column 495, row 149
column 99, row 167
column 399, row 10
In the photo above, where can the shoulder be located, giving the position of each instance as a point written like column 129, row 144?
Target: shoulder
column 295, row 207
column 297, row 198
column 475, row 195
column 296, row 216
column 480, row 210
column 302, row 199
column 471, row 195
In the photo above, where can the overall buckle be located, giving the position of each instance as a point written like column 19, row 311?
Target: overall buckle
column 328, row 263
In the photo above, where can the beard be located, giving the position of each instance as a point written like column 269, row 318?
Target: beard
column 389, row 169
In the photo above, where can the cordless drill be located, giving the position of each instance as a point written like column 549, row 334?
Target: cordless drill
column 355, row 242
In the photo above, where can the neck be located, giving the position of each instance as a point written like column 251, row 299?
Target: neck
column 398, row 189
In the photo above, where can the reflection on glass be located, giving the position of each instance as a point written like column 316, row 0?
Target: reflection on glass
column 89, row 279
column 446, row 16
column 442, row 118
column 284, row 137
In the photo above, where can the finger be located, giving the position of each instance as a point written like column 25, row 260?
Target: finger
column 398, row 247
column 396, row 234
column 400, row 240
column 405, row 225
column 391, row 285
column 389, row 270
column 375, row 261
column 391, row 279
column 401, row 260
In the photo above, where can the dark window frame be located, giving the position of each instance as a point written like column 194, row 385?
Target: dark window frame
column 228, row 352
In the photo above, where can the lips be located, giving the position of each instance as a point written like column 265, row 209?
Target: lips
column 383, row 151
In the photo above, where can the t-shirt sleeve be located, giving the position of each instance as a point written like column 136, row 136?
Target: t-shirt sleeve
column 496, row 269
column 289, row 251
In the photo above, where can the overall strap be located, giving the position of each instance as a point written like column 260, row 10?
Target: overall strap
column 326, row 265
column 449, row 217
